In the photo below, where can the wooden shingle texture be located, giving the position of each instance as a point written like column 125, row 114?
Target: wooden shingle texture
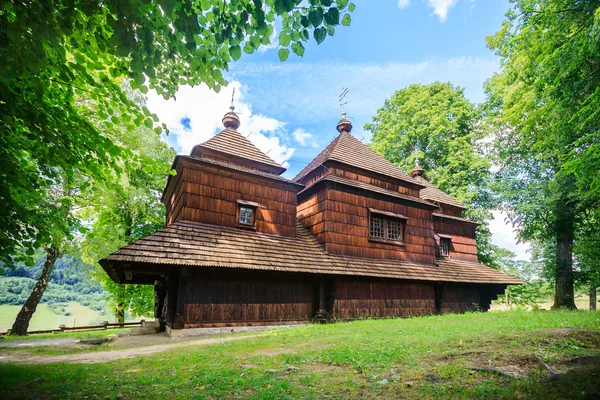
column 348, row 150
column 370, row 188
column 201, row 245
column 432, row 193
column 230, row 141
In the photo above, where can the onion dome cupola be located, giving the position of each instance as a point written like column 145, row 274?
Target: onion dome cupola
column 231, row 147
column 344, row 125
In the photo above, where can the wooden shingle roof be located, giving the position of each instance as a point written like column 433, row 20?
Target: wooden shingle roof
column 346, row 149
column 231, row 142
column 432, row 193
column 200, row 245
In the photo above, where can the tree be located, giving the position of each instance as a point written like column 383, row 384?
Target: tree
column 587, row 254
column 119, row 217
column 61, row 196
column 545, row 103
column 54, row 52
column 443, row 125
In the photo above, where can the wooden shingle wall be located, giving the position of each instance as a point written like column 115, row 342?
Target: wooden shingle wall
column 339, row 218
column 369, row 299
column 464, row 245
column 363, row 176
column 209, row 194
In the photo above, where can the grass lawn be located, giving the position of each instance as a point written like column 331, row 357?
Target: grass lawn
column 44, row 318
column 429, row 357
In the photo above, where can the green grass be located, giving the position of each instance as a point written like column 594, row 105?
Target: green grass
column 415, row 358
column 45, row 319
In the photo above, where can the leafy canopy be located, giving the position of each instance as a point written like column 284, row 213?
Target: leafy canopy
column 53, row 52
column 440, row 126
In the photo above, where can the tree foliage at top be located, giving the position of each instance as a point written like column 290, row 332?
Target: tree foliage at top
column 51, row 52
column 546, row 104
column 440, row 126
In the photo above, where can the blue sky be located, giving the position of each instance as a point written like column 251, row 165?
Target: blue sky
column 290, row 109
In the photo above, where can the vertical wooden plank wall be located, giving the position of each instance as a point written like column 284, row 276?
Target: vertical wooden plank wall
column 368, row 299
column 460, row 298
column 210, row 301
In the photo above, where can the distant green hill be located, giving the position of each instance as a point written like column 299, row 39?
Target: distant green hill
column 70, row 291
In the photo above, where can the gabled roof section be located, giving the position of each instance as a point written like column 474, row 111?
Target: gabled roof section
column 433, row 194
column 346, row 149
column 230, row 142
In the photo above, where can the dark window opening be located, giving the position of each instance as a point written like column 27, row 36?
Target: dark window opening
column 444, row 247
column 385, row 227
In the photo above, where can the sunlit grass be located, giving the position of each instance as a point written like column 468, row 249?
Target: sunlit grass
column 427, row 357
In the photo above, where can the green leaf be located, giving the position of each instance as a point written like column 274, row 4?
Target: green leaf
column 346, row 20
column 283, row 54
column 298, row 48
column 332, row 16
column 248, row 48
column 351, row 7
column 341, row 4
column 320, row 34
column 284, row 38
column 315, row 16
column 235, row 52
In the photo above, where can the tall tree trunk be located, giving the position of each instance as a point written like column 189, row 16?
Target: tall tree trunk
column 120, row 305
column 593, row 299
column 22, row 321
column 564, row 296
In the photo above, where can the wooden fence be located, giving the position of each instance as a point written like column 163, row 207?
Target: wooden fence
column 105, row 325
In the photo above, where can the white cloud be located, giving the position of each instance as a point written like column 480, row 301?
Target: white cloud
column 304, row 138
column 195, row 116
column 504, row 235
column 403, row 3
column 441, row 7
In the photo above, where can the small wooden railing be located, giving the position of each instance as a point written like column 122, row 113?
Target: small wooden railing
column 105, row 325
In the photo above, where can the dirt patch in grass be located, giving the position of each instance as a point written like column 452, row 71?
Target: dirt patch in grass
column 107, row 356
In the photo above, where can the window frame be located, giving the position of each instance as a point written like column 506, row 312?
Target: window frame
column 385, row 218
column 448, row 241
column 253, row 207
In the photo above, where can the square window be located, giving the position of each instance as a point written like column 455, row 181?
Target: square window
column 246, row 215
column 386, row 227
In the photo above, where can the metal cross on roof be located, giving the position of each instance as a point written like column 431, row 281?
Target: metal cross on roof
column 342, row 102
column 232, row 107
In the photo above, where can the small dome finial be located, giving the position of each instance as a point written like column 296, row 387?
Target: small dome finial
column 344, row 125
column 231, row 120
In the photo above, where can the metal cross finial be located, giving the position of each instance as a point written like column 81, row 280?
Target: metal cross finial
column 232, row 107
column 342, row 102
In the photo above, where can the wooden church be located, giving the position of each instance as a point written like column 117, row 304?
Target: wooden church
column 351, row 236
